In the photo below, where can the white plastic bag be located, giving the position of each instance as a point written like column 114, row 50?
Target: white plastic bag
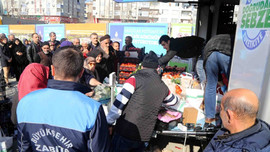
column 5, row 142
column 194, row 97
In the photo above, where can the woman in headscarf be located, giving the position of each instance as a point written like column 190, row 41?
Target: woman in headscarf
column 19, row 58
column 101, row 64
column 34, row 77
column 25, row 42
column 89, row 77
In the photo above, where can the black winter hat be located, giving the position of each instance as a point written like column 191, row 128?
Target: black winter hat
column 104, row 38
column 45, row 43
column 150, row 60
column 95, row 53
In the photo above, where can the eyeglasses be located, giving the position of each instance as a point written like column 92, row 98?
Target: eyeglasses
column 92, row 64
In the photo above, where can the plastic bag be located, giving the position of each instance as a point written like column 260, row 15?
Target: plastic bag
column 102, row 92
column 5, row 142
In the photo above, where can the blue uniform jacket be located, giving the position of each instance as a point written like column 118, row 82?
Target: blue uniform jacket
column 61, row 119
column 254, row 139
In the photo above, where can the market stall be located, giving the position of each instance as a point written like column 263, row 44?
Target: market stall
column 184, row 120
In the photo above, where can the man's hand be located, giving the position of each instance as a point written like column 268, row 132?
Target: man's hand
column 90, row 94
column 85, row 51
column 19, row 53
column 10, row 60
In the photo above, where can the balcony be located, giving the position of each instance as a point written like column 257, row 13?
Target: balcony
column 58, row 5
column 185, row 17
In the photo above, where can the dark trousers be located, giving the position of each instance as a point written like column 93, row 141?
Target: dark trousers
column 122, row 144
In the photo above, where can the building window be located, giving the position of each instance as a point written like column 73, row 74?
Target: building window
column 144, row 13
column 117, row 13
column 165, row 11
column 185, row 6
column 175, row 12
column 175, row 20
column 163, row 20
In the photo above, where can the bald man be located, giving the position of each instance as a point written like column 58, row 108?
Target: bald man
column 242, row 130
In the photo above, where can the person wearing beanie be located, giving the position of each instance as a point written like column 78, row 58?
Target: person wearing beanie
column 139, row 101
column 66, row 43
column 104, row 46
column 107, row 64
column 44, row 57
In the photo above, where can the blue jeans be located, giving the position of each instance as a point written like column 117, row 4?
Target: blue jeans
column 122, row 144
column 215, row 63
column 200, row 71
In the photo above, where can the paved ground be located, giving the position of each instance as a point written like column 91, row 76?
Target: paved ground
column 10, row 91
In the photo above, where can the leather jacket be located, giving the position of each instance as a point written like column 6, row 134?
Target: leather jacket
column 31, row 52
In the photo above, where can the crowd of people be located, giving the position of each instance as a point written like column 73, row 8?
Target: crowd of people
column 17, row 55
column 54, row 111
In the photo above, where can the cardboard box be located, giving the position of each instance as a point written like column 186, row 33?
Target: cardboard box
column 177, row 147
column 190, row 115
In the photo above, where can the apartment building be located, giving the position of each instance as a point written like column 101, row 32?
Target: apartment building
column 153, row 12
column 50, row 11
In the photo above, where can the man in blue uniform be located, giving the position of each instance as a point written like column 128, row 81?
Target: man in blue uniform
column 61, row 117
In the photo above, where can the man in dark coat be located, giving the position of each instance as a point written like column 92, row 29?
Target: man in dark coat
column 242, row 131
column 44, row 57
column 94, row 42
column 184, row 47
column 128, row 42
column 107, row 64
column 53, row 40
column 139, row 102
column 33, row 49
column 6, row 57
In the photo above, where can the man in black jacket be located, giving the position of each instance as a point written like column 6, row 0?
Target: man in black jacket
column 128, row 42
column 184, row 47
column 33, row 49
column 53, row 39
column 11, row 39
column 94, row 42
